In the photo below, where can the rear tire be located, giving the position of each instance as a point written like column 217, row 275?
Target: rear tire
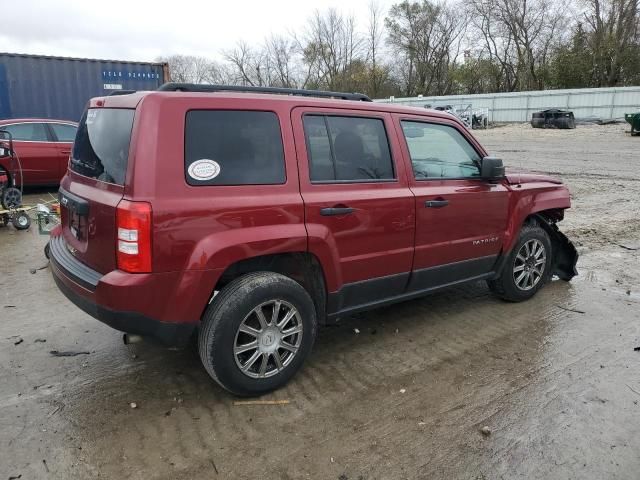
column 527, row 267
column 245, row 341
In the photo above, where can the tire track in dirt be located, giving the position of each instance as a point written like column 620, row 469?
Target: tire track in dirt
column 322, row 387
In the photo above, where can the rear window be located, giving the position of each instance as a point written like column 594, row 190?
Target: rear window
column 64, row 132
column 101, row 148
column 229, row 147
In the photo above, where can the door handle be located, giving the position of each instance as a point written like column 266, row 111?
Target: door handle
column 436, row 203
column 65, row 152
column 333, row 211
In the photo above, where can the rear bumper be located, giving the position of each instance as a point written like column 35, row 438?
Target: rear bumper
column 170, row 334
column 150, row 305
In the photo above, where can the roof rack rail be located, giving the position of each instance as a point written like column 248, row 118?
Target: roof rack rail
column 196, row 87
column 121, row 92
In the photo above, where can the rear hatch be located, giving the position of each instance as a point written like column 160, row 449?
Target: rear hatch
column 90, row 193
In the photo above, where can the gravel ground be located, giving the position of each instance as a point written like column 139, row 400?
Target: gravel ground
column 555, row 380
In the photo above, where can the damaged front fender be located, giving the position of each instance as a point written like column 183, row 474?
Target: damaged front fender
column 565, row 255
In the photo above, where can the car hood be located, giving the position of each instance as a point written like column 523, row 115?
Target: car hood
column 515, row 177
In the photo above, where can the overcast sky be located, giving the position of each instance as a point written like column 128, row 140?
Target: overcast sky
column 143, row 30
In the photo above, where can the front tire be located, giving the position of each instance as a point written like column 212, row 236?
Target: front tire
column 527, row 267
column 257, row 333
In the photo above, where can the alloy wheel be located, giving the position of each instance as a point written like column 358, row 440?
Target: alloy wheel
column 529, row 264
column 268, row 339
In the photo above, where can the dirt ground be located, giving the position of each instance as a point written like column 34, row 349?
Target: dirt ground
column 556, row 379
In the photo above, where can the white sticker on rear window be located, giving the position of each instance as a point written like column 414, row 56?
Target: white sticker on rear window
column 204, row 169
column 91, row 116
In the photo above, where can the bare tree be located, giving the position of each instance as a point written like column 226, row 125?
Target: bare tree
column 192, row 69
column 615, row 36
column 283, row 61
column 519, row 36
column 379, row 71
column 496, row 41
column 426, row 38
column 246, row 65
column 331, row 47
column 508, row 45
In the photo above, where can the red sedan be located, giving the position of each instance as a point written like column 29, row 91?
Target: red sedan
column 42, row 146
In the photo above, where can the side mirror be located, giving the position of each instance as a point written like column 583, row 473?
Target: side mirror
column 491, row 168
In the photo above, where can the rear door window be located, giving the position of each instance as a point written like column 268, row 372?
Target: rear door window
column 347, row 149
column 101, row 149
column 233, row 147
column 30, row 132
column 63, row 132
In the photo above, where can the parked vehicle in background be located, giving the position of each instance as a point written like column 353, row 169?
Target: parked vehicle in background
column 471, row 117
column 42, row 147
column 250, row 219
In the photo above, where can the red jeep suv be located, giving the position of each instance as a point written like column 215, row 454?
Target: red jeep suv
column 249, row 216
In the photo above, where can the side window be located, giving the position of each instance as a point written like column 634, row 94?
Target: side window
column 64, row 132
column 229, row 147
column 439, row 151
column 344, row 149
column 32, row 132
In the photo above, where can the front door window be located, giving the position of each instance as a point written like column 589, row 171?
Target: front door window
column 439, row 151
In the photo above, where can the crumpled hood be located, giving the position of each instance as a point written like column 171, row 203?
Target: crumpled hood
column 515, row 177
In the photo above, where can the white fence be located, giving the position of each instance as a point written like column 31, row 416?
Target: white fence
column 606, row 103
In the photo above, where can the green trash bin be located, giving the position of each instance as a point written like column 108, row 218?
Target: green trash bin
column 633, row 119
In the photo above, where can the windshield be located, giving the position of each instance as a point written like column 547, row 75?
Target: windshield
column 101, row 148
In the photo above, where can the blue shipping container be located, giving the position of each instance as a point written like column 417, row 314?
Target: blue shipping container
column 58, row 87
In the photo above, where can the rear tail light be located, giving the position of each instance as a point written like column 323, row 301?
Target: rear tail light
column 133, row 220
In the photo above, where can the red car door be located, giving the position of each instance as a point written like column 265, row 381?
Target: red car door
column 460, row 218
column 37, row 154
column 359, row 211
column 63, row 135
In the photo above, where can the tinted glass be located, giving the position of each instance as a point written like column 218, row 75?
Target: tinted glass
column 233, row 148
column 439, row 151
column 101, row 148
column 64, row 133
column 347, row 149
column 317, row 137
column 32, row 132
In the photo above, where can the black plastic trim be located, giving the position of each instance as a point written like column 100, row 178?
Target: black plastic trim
column 402, row 297
column 368, row 294
column 115, row 93
column 346, row 182
column 336, row 211
column 450, row 273
column 565, row 255
column 195, row 87
column 169, row 334
column 367, row 291
column 73, row 202
column 74, row 268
